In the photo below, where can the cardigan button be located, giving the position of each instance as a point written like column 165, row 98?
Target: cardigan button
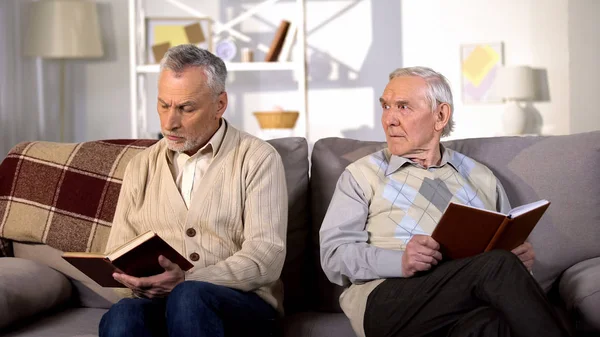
column 190, row 232
column 194, row 257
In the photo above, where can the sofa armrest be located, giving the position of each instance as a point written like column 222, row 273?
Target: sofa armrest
column 579, row 287
column 28, row 288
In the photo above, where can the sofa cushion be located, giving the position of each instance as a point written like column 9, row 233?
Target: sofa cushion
column 314, row 324
column 330, row 157
column 89, row 293
column 28, row 288
column 562, row 169
column 579, row 287
column 63, row 195
column 72, row 322
column 295, row 275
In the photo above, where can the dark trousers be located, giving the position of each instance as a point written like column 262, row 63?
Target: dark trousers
column 192, row 309
column 491, row 294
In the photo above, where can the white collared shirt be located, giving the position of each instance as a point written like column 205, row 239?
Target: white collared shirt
column 189, row 170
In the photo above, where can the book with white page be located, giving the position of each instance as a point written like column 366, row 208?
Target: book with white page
column 465, row 231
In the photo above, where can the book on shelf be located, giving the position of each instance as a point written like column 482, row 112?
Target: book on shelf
column 137, row 257
column 465, row 231
column 277, row 42
column 288, row 43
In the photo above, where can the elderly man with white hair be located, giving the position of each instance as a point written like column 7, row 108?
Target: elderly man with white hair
column 375, row 238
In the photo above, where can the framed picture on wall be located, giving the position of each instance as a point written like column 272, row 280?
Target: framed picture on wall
column 479, row 66
column 164, row 33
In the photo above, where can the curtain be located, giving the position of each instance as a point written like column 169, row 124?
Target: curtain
column 28, row 85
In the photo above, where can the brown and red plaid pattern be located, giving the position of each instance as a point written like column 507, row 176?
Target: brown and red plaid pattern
column 63, row 195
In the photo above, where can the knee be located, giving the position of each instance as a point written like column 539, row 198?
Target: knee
column 190, row 295
column 118, row 320
column 501, row 258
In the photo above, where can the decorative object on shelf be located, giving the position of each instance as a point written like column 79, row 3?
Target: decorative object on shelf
column 164, row 33
column 276, row 119
column 515, row 84
column 63, row 29
column 480, row 64
column 277, row 43
column 226, row 50
column 247, row 55
column 288, row 43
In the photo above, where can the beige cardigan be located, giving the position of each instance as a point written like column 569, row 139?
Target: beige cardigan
column 239, row 214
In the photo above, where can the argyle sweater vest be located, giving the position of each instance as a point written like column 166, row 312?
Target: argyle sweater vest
column 412, row 199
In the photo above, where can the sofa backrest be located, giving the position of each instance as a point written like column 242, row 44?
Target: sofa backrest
column 563, row 169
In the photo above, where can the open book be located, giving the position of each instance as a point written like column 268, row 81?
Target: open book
column 137, row 257
column 465, row 231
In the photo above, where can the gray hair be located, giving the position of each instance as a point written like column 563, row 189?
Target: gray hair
column 438, row 90
column 180, row 57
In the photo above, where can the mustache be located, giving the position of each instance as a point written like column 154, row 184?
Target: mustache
column 172, row 134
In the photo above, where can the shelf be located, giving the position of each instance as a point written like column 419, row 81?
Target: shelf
column 233, row 66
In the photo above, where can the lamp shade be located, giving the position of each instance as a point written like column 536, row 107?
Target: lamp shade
column 515, row 83
column 63, row 29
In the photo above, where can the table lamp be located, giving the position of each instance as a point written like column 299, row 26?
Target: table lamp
column 63, row 29
column 515, row 84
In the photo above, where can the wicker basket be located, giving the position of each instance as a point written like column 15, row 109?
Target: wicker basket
column 276, row 119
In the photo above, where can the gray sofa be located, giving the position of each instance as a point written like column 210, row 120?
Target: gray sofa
column 57, row 301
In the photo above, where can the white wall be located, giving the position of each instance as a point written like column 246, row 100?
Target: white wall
column 534, row 32
column 352, row 46
column 584, row 65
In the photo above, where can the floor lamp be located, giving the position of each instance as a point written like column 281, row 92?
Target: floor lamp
column 63, row 29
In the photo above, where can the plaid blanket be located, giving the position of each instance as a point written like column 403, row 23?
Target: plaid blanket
column 63, row 195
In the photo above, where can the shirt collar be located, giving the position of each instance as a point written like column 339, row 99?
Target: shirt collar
column 213, row 145
column 396, row 162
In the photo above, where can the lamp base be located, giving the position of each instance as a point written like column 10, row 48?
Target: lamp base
column 514, row 119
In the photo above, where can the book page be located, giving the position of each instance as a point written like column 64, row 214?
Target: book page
column 515, row 212
column 482, row 209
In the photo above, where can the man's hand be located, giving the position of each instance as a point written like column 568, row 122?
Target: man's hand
column 422, row 252
column 154, row 286
column 526, row 254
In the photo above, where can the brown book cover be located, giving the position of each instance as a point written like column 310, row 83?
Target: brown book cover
column 465, row 231
column 138, row 257
column 277, row 42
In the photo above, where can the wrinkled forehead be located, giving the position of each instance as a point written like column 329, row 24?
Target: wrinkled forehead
column 405, row 88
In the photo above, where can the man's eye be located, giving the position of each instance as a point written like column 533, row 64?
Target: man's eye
column 402, row 106
column 385, row 106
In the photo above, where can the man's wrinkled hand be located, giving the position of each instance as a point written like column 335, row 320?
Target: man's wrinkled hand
column 526, row 254
column 422, row 252
column 157, row 285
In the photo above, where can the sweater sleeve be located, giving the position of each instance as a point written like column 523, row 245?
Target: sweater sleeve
column 346, row 255
column 260, row 260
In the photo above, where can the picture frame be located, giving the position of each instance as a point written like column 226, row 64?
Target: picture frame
column 163, row 33
column 480, row 63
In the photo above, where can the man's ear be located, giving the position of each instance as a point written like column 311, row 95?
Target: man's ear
column 442, row 116
column 221, row 104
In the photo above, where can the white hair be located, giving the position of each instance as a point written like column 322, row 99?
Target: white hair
column 180, row 57
column 438, row 90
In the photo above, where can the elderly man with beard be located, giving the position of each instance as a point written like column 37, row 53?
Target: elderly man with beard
column 375, row 238
column 218, row 196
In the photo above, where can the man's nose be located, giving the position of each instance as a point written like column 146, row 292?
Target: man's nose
column 391, row 120
column 173, row 120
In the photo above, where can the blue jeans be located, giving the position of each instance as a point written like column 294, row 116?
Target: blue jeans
column 192, row 309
